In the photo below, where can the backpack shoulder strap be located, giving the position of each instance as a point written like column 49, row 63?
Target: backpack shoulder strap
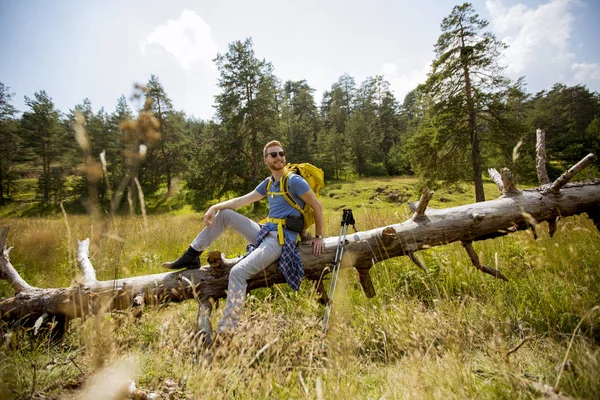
column 268, row 190
column 285, row 189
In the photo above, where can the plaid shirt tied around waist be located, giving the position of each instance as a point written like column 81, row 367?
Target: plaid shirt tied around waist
column 290, row 263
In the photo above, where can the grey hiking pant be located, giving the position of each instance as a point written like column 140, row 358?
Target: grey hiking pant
column 267, row 252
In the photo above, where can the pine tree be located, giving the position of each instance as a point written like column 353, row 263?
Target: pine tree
column 378, row 107
column 359, row 138
column 104, row 143
column 118, row 160
column 511, row 142
column 80, row 157
column 166, row 159
column 42, row 132
column 336, row 107
column 388, row 121
column 411, row 114
column 8, row 141
column 248, row 110
column 299, row 115
column 464, row 77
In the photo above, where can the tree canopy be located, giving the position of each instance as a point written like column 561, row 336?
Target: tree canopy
column 466, row 117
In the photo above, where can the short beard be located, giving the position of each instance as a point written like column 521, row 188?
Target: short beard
column 275, row 167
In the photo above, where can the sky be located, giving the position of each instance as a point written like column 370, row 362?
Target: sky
column 100, row 49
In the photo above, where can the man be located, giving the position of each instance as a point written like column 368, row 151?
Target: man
column 271, row 242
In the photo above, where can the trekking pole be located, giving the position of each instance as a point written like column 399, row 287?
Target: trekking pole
column 347, row 219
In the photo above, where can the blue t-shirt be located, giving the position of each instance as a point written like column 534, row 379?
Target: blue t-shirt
column 278, row 205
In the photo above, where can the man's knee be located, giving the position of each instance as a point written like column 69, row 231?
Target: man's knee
column 238, row 272
column 225, row 214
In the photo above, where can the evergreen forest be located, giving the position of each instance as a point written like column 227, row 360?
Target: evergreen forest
column 466, row 117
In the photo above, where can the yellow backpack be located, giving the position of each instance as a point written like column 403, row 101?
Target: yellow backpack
column 315, row 178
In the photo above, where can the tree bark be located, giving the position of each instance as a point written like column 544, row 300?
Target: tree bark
column 540, row 157
column 472, row 124
column 514, row 210
column 468, row 223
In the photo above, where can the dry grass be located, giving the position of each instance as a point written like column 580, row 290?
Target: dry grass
column 441, row 334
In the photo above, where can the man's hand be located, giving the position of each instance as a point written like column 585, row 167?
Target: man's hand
column 318, row 245
column 232, row 204
column 312, row 200
column 209, row 216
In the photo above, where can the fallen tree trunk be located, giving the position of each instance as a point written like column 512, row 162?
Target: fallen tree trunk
column 514, row 210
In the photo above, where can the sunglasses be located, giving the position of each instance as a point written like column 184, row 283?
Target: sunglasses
column 275, row 153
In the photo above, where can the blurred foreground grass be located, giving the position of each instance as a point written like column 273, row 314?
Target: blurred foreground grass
column 441, row 334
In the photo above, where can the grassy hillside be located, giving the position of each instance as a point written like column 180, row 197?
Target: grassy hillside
column 442, row 334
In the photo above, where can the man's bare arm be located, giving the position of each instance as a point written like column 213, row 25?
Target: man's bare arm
column 312, row 200
column 233, row 204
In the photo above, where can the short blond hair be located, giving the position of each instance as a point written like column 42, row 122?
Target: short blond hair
column 272, row 143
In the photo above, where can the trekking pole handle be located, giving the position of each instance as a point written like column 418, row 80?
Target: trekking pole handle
column 348, row 218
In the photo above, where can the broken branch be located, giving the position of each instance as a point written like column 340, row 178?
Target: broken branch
column 417, row 262
column 495, row 175
column 540, row 157
column 83, row 259
column 475, row 260
column 7, row 271
column 509, row 185
column 421, row 206
column 567, row 176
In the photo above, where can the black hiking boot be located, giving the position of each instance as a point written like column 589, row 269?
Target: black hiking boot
column 189, row 260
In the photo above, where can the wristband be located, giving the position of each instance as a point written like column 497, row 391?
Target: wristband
column 319, row 236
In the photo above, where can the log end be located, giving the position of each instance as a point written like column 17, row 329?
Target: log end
column 215, row 259
column 388, row 235
column 216, row 263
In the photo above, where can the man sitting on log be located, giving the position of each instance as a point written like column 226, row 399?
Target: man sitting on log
column 272, row 241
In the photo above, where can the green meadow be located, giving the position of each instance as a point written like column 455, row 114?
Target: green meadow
column 450, row 333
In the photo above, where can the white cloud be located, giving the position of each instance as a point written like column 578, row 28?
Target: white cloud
column 401, row 84
column 586, row 72
column 188, row 39
column 538, row 37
